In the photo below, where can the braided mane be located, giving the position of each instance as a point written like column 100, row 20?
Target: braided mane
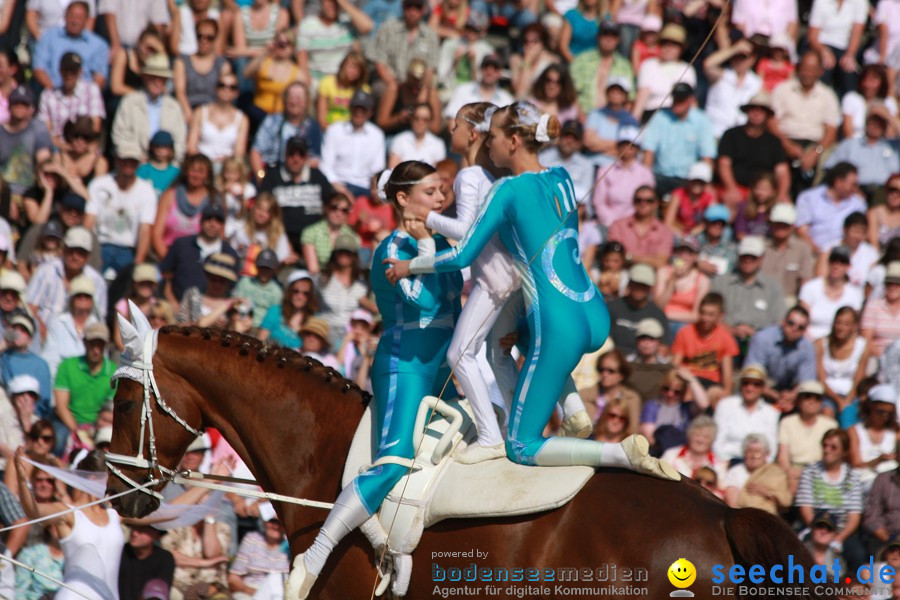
column 265, row 352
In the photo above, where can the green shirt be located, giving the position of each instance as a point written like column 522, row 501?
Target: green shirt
column 584, row 74
column 318, row 235
column 262, row 295
column 87, row 393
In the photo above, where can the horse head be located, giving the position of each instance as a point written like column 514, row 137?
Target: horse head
column 154, row 421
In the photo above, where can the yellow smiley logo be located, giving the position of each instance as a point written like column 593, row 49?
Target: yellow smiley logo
column 682, row 573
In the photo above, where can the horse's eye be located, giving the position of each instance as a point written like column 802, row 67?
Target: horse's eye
column 125, row 406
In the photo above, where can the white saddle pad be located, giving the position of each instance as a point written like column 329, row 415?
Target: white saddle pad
column 495, row 488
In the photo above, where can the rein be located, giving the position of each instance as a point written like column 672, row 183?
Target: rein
column 142, row 370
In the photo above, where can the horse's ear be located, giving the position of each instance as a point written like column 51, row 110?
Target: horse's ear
column 139, row 319
column 130, row 336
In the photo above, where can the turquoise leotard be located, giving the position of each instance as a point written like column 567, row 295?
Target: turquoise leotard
column 534, row 213
column 410, row 362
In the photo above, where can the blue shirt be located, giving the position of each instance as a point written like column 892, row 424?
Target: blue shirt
column 382, row 10
column 876, row 162
column 279, row 332
column 584, row 32
column 274, row 133
column 678, row 143
column 160, row 179
column 55, row 42
column 824, row 217
column 787, row 364
column 154, row 109
column 13, row 363
column 605, row 123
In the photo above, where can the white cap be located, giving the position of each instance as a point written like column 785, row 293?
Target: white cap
column 622, row 82
column 642, row 273
column 628, row 133
column 24, row 383
column 79, row 237
column 880, row 393
column 12, row 280
column 700, row 170
column 361, row 314
column 752, row 245
column 103, row 435
column 82, row 284
column 297, row 276
column 649, row 327
column 267, row 511
column 200, row 444
column 783, row 212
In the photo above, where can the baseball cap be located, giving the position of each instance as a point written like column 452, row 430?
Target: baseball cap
column 651, row 23
column 491, row 60
column 52, row 229
column 701, row 171
column 628, row 134
column 297, row 144
column 642, row 273
column 221, row 264
column 200, row 444
column 572, row 127
column 608, row 28
column 297, row 275
column 79, row 237
column 103, row 435
column 23, row 320
column 811, row 387
column 145, row 272
column 477, row 20
column 162, row 138
column 883, row 393
column 82, row 286
column 155, row 589
column 361, row 314
column 12, row 280
column 267, row 259
column 267, row 512
column 688, row 241
column 649, row 328
column 752, row 245
column 682, row 91
column 74, row 201
column 362, row 100
column 892, row 273
column 96, row 331
column 21, row 95
column 716, row 212
column 70, row 61
column 346, row 242
column 823, row 517
column 622, row 82
column 213, row 210
column 21, row 384
column 840, row 254
column 783, row 212
column 129, row 152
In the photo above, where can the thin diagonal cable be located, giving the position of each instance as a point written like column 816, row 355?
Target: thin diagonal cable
column 531, row 260
column 22, row 565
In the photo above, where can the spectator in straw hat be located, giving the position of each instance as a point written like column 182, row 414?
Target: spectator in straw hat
column 315, row 334
column 82, row 385
column 749, row 149
column 132, row 127
column 744, row 413
column 65, row 331
column 210, row 307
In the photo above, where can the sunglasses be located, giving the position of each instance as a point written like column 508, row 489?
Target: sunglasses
column 796, row 325
column 282, row 44
column 226, row 86
column 554, row 81
column 831, row 446
column 205, row 37
column 618, row 416
column 301, row 292
column 608, row 370
column 43, row 480
column 893, row 190
column 883, row 411
column 669, row 388
column 705, row 481
column 344, row 210
column 752, row 383
column 644, row 200
column 49, row 438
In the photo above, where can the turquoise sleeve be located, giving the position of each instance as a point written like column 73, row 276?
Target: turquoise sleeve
column 420, row 291
column 486, row 225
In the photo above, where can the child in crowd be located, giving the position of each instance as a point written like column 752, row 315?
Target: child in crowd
column 707, row 348
column 777, row 66
column 685, row 211
column 49, row 246
column 160, row 170
column 263, row 228
column 262, row 290
column 647, row 44
column 358, row 343
column 612, row 278
column 234, row 185
column 314, row 334
column 372, row 220
column 753, row 214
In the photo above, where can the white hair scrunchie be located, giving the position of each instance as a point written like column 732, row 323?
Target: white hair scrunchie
column 540, row 134
column 485, row 124
column 382, row 183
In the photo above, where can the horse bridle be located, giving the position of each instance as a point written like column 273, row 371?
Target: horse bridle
column 142, row 372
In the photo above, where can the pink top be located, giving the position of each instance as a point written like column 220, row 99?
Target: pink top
column 178, row 224
column 657, row 241
column 614, row 192
column 766, row 17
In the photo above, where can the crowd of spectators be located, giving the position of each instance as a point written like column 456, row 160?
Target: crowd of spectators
column 215, row 163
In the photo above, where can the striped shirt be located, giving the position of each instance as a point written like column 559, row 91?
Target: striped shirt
column 56, row 108
column 256, row 559
column 48, row 290
column 10, row 510
column 841, row 498
column 883, row 322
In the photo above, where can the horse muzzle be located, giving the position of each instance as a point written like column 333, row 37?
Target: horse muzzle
column 134, row 505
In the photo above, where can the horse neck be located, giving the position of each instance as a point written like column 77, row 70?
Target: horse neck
column 290, row 426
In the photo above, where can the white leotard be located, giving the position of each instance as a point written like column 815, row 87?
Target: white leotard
column 92, row 554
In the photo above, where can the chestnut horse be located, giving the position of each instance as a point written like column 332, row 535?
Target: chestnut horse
column 292, row 421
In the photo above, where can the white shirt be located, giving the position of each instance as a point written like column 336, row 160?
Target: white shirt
column 660, row 78
column 856, row 107
column 822, row 308
column 120, row 213
column 736, row 423
column 725, row 98
column 430, row 149
column 352, row 156
column 467, row 93
column 836, row 22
